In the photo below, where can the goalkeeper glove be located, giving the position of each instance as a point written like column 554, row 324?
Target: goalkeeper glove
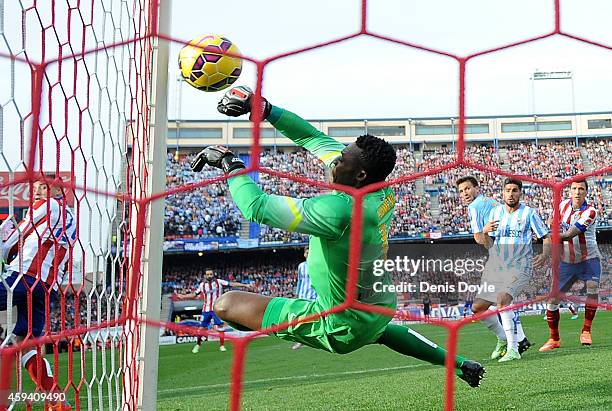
column 238, row 101
column 219, row 157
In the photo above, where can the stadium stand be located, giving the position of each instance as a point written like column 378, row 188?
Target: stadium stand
column 209, row 212
column 203, row 212
column 547, row 161
column 424, row 206
column 77, row 312
column 277, row 276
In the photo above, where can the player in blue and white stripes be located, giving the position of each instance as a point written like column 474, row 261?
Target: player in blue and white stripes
column 304, row 288
column 511, row 259
column 479, row 208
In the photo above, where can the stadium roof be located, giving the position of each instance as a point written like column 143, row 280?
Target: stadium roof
column 406, row 118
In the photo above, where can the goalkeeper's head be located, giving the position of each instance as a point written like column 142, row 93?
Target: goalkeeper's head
column 368, row 160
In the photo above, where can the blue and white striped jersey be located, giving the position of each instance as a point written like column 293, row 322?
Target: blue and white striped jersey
column 479, row 211
column 513, row 236
column 304, row 286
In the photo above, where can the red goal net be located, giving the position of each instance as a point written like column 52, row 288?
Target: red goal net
column 76, row 115
column 75, row 118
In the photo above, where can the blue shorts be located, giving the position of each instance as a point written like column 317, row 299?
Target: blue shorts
column 20, row 300
column 467, row 308
column 589, row 270
column 210, row 315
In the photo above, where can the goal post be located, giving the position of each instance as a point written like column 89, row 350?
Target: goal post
column 146, row 234
column 102, row 75
column 154, row 235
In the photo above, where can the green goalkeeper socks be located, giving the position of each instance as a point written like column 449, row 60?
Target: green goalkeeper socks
column 408, row 342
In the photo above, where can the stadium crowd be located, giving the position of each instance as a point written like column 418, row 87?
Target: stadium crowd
column 412, row 212
column 430, row 204
column 209, row 211
column 548, row 161
column 268, row 278
column 102, row 305
column 599, row 152
column 279, row 277
column 206, row 211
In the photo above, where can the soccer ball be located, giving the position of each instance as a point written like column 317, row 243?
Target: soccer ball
column 204, row 65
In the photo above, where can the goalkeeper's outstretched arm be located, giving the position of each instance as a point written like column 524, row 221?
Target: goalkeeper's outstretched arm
column 325, row 216
column 238, row 100
column 305, row 135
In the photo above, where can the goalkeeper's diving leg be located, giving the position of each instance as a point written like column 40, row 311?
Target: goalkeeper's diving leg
column 406, row 341
column 242, row 310
column 245, row 311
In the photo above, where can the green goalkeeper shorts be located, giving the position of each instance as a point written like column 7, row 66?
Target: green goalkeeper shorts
column 338, row 333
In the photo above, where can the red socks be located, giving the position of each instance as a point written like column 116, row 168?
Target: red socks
column 553, row 323
column 589, row 314
column 41, row 375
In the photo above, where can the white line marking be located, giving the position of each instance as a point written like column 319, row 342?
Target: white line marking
column 293, row 377
column 309, row 376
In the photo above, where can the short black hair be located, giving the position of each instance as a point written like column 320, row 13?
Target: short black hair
column 471, row 179
column 511, row 180
column 586, row 185
column 378, row 157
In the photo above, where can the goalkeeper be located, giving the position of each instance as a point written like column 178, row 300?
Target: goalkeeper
column 327, row 219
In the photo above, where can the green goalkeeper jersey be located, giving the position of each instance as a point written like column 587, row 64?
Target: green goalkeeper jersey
column 327, row 219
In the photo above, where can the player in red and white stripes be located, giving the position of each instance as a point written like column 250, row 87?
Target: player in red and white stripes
column 37, row 253
column 580, row 260
column 209, row 290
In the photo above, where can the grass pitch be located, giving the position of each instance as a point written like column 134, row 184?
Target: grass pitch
column 376, row 378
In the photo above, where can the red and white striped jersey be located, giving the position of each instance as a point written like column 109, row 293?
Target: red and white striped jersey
column 39, row 245
column 210, row 291
column 583, row 246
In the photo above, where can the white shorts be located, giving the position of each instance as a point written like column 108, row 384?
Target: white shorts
column 498, row 278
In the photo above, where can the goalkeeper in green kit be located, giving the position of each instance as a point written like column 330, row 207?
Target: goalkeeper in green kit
column 327, row 219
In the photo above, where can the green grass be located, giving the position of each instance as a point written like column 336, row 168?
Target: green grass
column 376, row 378
column 96, row 368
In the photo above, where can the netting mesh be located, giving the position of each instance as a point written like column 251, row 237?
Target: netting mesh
column 78, row 104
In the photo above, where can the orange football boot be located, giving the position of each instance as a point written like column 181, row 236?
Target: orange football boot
column 585, row 338
column 58, row 406
column 550, row 345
